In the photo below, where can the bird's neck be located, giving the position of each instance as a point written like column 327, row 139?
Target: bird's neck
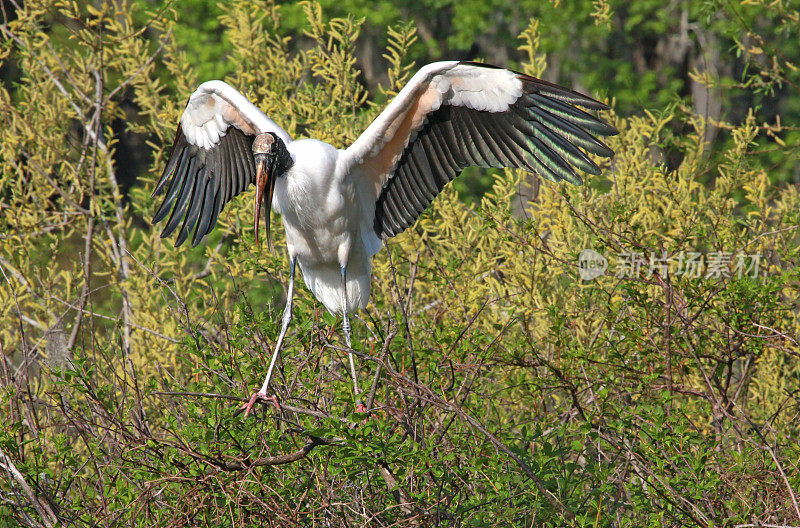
column 283, row 160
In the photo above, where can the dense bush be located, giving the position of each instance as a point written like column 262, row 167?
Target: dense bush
column 506, row 390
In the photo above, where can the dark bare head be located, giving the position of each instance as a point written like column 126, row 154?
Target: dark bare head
column 272, row 160
column 264, row 143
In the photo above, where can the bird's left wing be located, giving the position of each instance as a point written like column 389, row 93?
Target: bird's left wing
column 455, row 114
column 211, row 159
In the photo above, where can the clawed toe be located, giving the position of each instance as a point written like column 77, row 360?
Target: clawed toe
column 247, row 407
column 362, row 409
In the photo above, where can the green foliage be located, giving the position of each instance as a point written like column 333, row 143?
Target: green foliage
column 531, row 397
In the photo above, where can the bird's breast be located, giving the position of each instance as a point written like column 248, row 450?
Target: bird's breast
column 318, row 208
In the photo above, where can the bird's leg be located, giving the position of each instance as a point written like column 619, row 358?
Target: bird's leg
column 287, row 318
column 346, row 327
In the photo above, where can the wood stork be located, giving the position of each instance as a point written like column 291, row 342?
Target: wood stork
column 337, row 205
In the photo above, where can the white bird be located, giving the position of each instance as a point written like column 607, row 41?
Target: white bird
column 337, row 205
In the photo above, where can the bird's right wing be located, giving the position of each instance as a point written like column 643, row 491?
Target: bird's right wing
column 211, row 159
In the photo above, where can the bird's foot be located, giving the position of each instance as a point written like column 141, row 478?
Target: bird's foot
column 247, row 407
column 362, row 409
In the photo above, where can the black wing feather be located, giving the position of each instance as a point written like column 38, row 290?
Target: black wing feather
column 193, row 212
column 207, row 210
column 415, row 194
column 544, row 131
column 183, row 198
column 202, row 181
column 421, row 178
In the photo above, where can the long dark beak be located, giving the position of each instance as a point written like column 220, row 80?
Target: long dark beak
column 264, row 180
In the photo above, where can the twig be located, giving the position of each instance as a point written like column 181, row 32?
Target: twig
column 400, row 494
column 763, row 525
column 201, row 395
column 87, row 250
column 290, row 408
column 287, row 458
column 384, row 353
column 551, row 498
column 44, row 509
column 774, row 458
column 33, row 421
column 135, row 74
column 403, row 310
column 116, row 319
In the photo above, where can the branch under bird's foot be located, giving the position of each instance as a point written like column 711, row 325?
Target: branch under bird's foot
column 247, row 407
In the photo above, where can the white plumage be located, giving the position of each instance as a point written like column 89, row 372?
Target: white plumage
column 327, row 232
column 336, row 204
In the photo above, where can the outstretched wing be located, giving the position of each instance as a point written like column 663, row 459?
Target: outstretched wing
column 452, row 115
column 211, row 159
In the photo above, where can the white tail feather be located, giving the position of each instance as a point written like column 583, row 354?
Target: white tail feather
column 325, row 282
